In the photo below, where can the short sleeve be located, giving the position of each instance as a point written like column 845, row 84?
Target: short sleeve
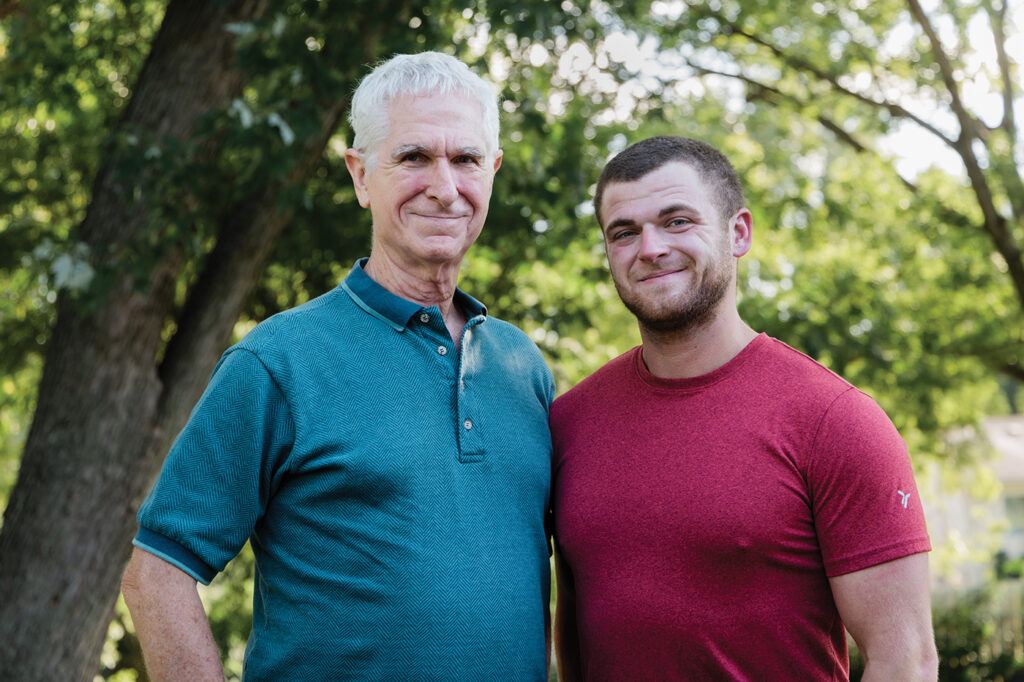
column 216, row 480
column 865, row 501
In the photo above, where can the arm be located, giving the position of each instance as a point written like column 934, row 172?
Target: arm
column 887, row 609
column 169, row 620
column 567, row 642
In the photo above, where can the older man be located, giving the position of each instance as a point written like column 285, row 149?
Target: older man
column 384, row 447
column 723, row 504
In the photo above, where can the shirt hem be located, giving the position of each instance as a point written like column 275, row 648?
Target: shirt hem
column 173, row 553
column 862, row 561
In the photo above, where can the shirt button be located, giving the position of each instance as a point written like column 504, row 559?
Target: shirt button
column 441, row 350
column 424, row 318
column 468, row 424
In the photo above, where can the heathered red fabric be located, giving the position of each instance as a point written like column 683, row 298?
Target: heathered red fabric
column 702, row 517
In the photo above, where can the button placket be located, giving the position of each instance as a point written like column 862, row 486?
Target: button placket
column 430, row 331
column 471, row 447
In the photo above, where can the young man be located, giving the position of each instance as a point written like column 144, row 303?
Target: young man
column 723, row 505
column 384, row 447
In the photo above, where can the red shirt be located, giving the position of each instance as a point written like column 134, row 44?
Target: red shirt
column 701, row 518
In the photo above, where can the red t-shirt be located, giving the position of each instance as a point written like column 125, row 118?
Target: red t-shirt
column 701, row 518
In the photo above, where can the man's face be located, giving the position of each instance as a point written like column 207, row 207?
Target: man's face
column 430, row 186
column 670, row 252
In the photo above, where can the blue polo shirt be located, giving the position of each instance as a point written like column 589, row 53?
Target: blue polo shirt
column 393, row 488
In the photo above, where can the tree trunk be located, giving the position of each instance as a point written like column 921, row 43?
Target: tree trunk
column 70, row 517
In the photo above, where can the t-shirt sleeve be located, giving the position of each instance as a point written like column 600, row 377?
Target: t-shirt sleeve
column 866, row 506
column 218, row 475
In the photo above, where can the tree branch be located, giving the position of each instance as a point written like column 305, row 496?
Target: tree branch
column 803, row 65
column 998, row 20
column 826, row 122
column 1007, row 171
column 995, row 224
column 968, row 124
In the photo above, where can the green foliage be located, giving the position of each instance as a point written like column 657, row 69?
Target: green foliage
column 17, row 400
column 967, row 634
column 228, row 602
column 977, row 635
column 121, row 659
column 66, row 69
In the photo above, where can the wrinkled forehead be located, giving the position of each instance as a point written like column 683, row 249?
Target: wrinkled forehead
column 455, row 118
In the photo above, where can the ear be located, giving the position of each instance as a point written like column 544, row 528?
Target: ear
column 497, row 159
column 741, row 232
column 357, row 169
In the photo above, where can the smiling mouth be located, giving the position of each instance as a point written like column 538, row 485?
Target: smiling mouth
column 429, row 216
column 659, row 274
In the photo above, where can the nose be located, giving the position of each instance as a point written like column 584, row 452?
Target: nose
column 442, row 188
column 652, row 244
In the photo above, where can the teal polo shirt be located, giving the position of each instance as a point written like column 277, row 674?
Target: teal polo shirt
column 393, row 487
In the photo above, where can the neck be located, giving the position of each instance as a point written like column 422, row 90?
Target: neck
column 428, row 284
column 693, row 352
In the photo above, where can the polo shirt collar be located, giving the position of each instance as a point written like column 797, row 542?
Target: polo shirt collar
column 394, row 309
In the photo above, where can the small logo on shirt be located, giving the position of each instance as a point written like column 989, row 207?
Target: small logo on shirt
column 904, row 498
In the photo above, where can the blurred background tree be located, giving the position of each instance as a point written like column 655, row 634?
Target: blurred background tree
column 174, row 173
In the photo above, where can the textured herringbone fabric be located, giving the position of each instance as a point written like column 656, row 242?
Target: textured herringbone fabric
column 393, row 488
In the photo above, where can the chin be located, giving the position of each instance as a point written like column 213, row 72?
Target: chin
column 442, row 256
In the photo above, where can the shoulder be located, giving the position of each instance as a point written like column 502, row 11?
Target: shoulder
column 799, row 395
column 297, row 325
column 596, row 387
column 781, row 369
column 505, row 336
column 506, row 333
column 839, row 415
column 299, row 340
column 512, row 348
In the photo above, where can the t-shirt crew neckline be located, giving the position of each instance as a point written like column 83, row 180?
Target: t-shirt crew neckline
column 704, row 380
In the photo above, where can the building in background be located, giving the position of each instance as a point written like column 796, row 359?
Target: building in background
column 976, row 514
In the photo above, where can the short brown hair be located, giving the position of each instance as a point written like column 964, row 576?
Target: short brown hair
column 646, row 156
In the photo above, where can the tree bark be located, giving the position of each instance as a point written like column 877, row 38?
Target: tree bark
column 70, row 516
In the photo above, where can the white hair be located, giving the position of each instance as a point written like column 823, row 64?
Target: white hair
column 425, row 73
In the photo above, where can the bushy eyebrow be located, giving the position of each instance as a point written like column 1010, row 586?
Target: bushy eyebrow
column 671, row 208
column 620, row 222
column 475, row 152
column 405, row 149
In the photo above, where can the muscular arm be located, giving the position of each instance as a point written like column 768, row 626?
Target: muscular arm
column 887, row 609
column 567, row 642
column 169, row 620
